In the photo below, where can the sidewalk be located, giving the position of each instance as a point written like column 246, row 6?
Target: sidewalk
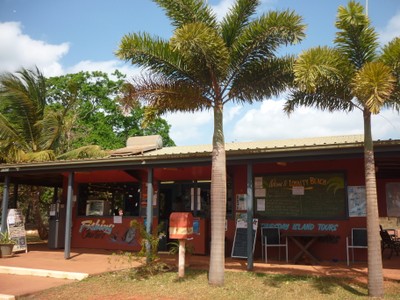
column 43, row 268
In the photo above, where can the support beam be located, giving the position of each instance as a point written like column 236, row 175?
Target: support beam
column 68, row 220
column 5, row 204
column 249, row 200
column 149, row 211
column 15, row 198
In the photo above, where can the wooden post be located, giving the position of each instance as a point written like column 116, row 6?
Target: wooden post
column 181, row 261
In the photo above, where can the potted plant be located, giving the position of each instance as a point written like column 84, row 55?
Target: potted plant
column 174, row 250
column 6, row 244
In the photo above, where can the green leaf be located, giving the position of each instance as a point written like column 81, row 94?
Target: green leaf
column 203, row 50
column 373, row 85
column 182, row 12
column 356, row 38
column 237, row 19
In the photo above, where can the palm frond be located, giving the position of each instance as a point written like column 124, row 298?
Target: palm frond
column 24, row 96
column 154, row 54
column 237, row 19
column 7, row 130
column 391, row 57
column 321, row 67
column 356, row 38
column 45, row 155
column 165, row 95
column 262, row 37
column 203, row 50
column 10, row 152
column 182, row 12
column 91, row 151
column 262, row 79
column 51, row 129
column 373, row 85
column 324, row 100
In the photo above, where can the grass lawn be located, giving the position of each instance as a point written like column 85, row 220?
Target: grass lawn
column 238, row 285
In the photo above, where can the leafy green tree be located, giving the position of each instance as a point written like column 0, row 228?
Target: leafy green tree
column 206, row 64
column 95, row 116
column 353, row 74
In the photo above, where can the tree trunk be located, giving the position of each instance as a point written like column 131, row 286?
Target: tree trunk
column 41, row 227
column 375, row 274
column 218, row 201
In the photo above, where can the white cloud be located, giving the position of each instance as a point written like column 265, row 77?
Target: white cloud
column 222, row 8
column 190, row 128
column 231, row 112
column 391, row 30
column 104, row 66
column 18, row 50
column 269, row 122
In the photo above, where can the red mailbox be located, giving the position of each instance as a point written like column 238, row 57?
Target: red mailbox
column 180, row 225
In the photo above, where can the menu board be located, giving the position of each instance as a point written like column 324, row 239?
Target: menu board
column 301, row 196
column 16, row 229
column 239, row 248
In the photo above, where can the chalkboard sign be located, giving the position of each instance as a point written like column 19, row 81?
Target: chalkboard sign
column 16, row 229
column 239, row 248
column 301, row 196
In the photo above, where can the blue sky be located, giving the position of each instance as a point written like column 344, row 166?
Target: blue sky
column 70, row 36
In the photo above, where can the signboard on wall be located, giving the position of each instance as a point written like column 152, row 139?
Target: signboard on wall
column 301, row 196
column 16, row 229
column 357, row 201
column 393, row 199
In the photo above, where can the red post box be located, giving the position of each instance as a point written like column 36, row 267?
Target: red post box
column 180, row 225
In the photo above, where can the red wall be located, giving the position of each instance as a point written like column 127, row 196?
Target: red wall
column 331, row 249
column 104, row 233
column 334, row 246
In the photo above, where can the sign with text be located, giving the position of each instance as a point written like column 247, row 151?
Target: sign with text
column 16, row 229
column 302, row 196
column 239, row 248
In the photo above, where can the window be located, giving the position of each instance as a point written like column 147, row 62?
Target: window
column 107, row 199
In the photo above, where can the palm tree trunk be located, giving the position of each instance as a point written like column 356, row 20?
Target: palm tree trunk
column 218, row 201
column 375, row 275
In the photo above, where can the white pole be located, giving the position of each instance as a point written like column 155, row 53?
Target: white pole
column 181, row 261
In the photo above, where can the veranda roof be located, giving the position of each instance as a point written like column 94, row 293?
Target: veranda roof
column 275, row 150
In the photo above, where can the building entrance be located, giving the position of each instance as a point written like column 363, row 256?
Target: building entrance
column 191, row 197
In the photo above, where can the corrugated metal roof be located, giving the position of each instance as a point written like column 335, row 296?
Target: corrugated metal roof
column 236, row 146
column 202, row 153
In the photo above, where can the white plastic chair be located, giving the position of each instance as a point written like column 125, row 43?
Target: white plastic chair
column 271, row 237
column 358, row 240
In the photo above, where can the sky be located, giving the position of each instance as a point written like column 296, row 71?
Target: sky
column 62, row 37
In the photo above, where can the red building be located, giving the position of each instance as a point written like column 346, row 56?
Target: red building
column 313, row 185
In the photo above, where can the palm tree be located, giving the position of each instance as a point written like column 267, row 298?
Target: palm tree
column 30, row 130
column 27, row 133
column 353, row 75
column 206, row 64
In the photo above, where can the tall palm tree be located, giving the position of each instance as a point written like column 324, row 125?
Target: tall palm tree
column 26, row 132
column 353, row 75
column 30, row 130
column 206, row 64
